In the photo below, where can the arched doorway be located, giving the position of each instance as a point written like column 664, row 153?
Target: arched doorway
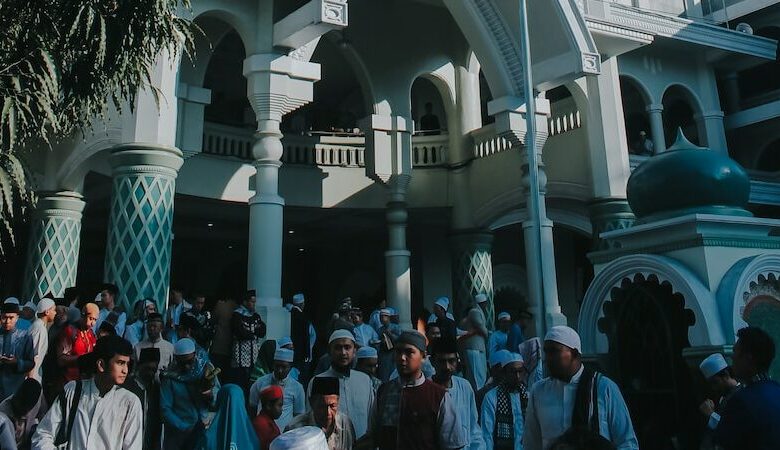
column 680, row 109
column 762, row 310
column 634, row 114
column 646, row 325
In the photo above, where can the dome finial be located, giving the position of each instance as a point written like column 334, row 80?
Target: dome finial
column 682, row 143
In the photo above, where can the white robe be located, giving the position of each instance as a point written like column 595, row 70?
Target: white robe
column 294, row 398
column 40, row 341
column 463, row 400
column 365, row 335
column 356, row 397
column 111, row 422
column 550, row 407
column 488, row 415
column 166, row 352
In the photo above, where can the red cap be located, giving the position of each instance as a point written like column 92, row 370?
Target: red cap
column 271, row 393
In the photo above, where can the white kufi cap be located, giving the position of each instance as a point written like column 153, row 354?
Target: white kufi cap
column 504, row 316
column 284, row 354
column 184, row 346
column 298, row 299
column 444, row 302
column 511, row 358
column 29, row 305
column 480, row 298
column 341, row 334
column 44, row 305
column 499, row 357
column 366, row 352
column 712, row 365
column 566, row 336
column 13, row 300
column 281, row 342
column 310, row 438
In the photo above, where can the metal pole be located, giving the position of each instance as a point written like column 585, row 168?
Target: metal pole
column 534, row 211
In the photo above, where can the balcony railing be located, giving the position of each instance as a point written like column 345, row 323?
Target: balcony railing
column 319, row 148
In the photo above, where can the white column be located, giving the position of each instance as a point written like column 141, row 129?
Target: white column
column 539, row 251
column 608, row 152
column 389, row 162
column 277, row 85
column 714, row 131
column 655, row 113
column 397, row 269
column 55, row 239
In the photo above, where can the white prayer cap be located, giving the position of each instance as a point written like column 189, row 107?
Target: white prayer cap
column 281, row 342
column 499, row 357
column 311, row 438
column 385, row 312
column 712, row 365
column 44, row 305
column 29, row 305
column 504, row 316
column 298, row 299
column 393, row 311
column 184, row 347
column 366, row 352
column 511, row 358
column 341, row 334
column 480, row 298
column 99, row 297
column 13, row 300
column 284, row 354
column 444, row 302
column 566, row 336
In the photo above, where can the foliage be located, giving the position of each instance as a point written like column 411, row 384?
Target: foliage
column 63, row 61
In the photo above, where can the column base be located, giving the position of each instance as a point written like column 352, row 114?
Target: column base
column 277, row 320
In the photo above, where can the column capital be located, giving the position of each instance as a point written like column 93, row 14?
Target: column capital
column 472, row 238
column 706, row 115
column 59, row 203
column 145, row 157
column 388, row 151
column 278, row 84
column 510, row 115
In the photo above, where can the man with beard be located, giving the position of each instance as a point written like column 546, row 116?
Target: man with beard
column 503, row 406
column 186, row 394
column 356, row 392
column 574, row 396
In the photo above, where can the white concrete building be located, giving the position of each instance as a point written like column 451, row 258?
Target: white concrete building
column 295, row 153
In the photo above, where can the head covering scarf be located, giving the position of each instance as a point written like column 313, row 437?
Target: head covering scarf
column 231, row 427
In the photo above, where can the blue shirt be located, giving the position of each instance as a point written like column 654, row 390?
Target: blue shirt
column 515, row 338
column 19, row 344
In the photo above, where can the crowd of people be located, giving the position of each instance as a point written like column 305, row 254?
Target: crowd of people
column 86, row 375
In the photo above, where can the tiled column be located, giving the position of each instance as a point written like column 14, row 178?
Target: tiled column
column 53, row 252
column 473, row 267
column 140, row 230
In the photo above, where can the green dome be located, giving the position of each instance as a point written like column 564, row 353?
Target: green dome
column 686, row 179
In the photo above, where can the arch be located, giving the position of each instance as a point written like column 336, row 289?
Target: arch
column 472, row 63
column 705, row 331
column 241, row 17
column 635, row 100
column 644, row 91
column 358, row 68
column 579, row 222
column 733, row 293
column 443, row 80
column 214, row 30
column 682, row 109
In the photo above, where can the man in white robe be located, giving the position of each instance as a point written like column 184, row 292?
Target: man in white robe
column 444, row 355
column 365, row 335
column 498, row 337
column 107, row 416
column 552, row 408
column 357, row 392
column 294, row 398
column 502, row 409
column 154, row 327
column 474, row 343
column 39, row 333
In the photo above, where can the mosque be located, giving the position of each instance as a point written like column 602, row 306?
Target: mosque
column 376, row 149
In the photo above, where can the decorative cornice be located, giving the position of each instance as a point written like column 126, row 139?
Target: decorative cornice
column 687, row 30
column 606, row 27
column 504, row 42
column 772, row 243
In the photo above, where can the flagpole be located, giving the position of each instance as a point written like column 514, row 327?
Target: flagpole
column 535, row 213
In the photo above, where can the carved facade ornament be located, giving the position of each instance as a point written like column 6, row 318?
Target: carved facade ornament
column 335, row 12
column 591, row 63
